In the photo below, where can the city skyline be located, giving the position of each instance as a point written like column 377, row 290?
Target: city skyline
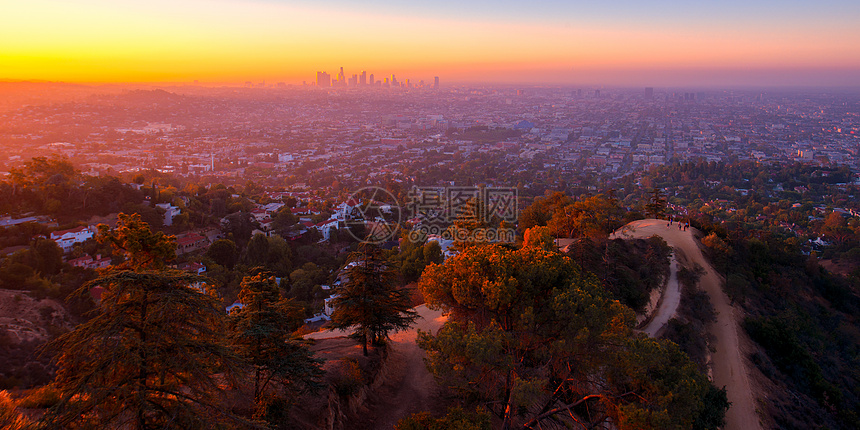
column 667, row 43
column 324, row 79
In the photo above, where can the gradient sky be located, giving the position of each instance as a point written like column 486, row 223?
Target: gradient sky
column 658, row 43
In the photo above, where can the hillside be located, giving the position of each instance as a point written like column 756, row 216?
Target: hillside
column 728, row 365
column 25, row 324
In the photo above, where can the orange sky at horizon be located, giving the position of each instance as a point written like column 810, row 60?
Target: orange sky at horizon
column 232, row 41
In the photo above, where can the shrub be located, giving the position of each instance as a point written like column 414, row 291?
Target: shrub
column 10, row 418
column 40, row 398
column 347, row 376
column 455, row 419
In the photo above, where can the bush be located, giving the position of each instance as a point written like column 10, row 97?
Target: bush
column 40, row 398
column 713, row 413
column 455, row 419
column 347, row 376
column 10, row 418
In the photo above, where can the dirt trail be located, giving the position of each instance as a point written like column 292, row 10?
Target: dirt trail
column 729, row 369
column 411, row 388
column 668, row 303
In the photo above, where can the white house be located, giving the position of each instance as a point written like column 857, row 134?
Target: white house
column 66, row 238
column 327, row 307
column 170, row 211
column 272, row 208
column 89, row 262
column 344, row 210
column 259, row 214
column 326, row 227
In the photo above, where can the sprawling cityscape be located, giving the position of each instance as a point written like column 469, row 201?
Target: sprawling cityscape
column 313, row 136
column 447, row 215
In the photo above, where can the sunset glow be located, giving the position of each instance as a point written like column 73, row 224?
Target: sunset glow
column 281, row 41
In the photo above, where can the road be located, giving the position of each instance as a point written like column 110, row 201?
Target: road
column 728, row 366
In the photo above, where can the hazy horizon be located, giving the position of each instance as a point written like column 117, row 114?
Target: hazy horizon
column 619, row 43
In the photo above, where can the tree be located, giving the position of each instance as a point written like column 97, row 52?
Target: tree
column 284, row 220
column 149, row 356
column 594, row 216
column 543, row 208
column 369, row 300
column 46, row 257
column 657, row 205
column 143, row 248
column 147, row 359
column 262, row 331
column 538, row 237
column 415, row 255
column 257, row 252
column 224, row 252
column 433, row 253
column 538, row 341
column 279, row 257
column 272, row 253
column 240, row 225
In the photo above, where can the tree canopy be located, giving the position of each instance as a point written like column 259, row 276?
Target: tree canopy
column 144, row 249
column 147, row 359
column 369, row 299
column 262, row 332
column 149, row 356
column 536, row 340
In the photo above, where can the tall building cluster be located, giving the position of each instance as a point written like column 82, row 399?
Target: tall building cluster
column 325, row 80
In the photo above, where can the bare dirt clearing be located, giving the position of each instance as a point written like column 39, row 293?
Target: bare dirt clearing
column 410, row 387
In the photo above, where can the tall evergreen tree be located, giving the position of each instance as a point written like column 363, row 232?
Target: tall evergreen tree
column 143, row 248
column 369, row 299
column 148, row 357
column 262, row 331
column 656, row 207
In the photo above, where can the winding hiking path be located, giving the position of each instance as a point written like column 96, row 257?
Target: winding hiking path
column 669, row 302
column 728, row 366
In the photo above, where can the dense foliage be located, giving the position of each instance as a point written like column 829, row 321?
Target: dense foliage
column 281, row 366
column 536, row 340
column 369, row 300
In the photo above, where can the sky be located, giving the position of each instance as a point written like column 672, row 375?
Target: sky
column 628, row 43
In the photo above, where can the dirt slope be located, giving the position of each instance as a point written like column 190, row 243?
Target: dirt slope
column 23, row 318
column 411, row 388
column 729, row 367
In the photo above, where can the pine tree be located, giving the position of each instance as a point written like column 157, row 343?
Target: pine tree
column 369, row 299
column 147, row 359
column 540, row 343
column 657, row 206
column 149, row 356
column 262, row 331
column 143, row 248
